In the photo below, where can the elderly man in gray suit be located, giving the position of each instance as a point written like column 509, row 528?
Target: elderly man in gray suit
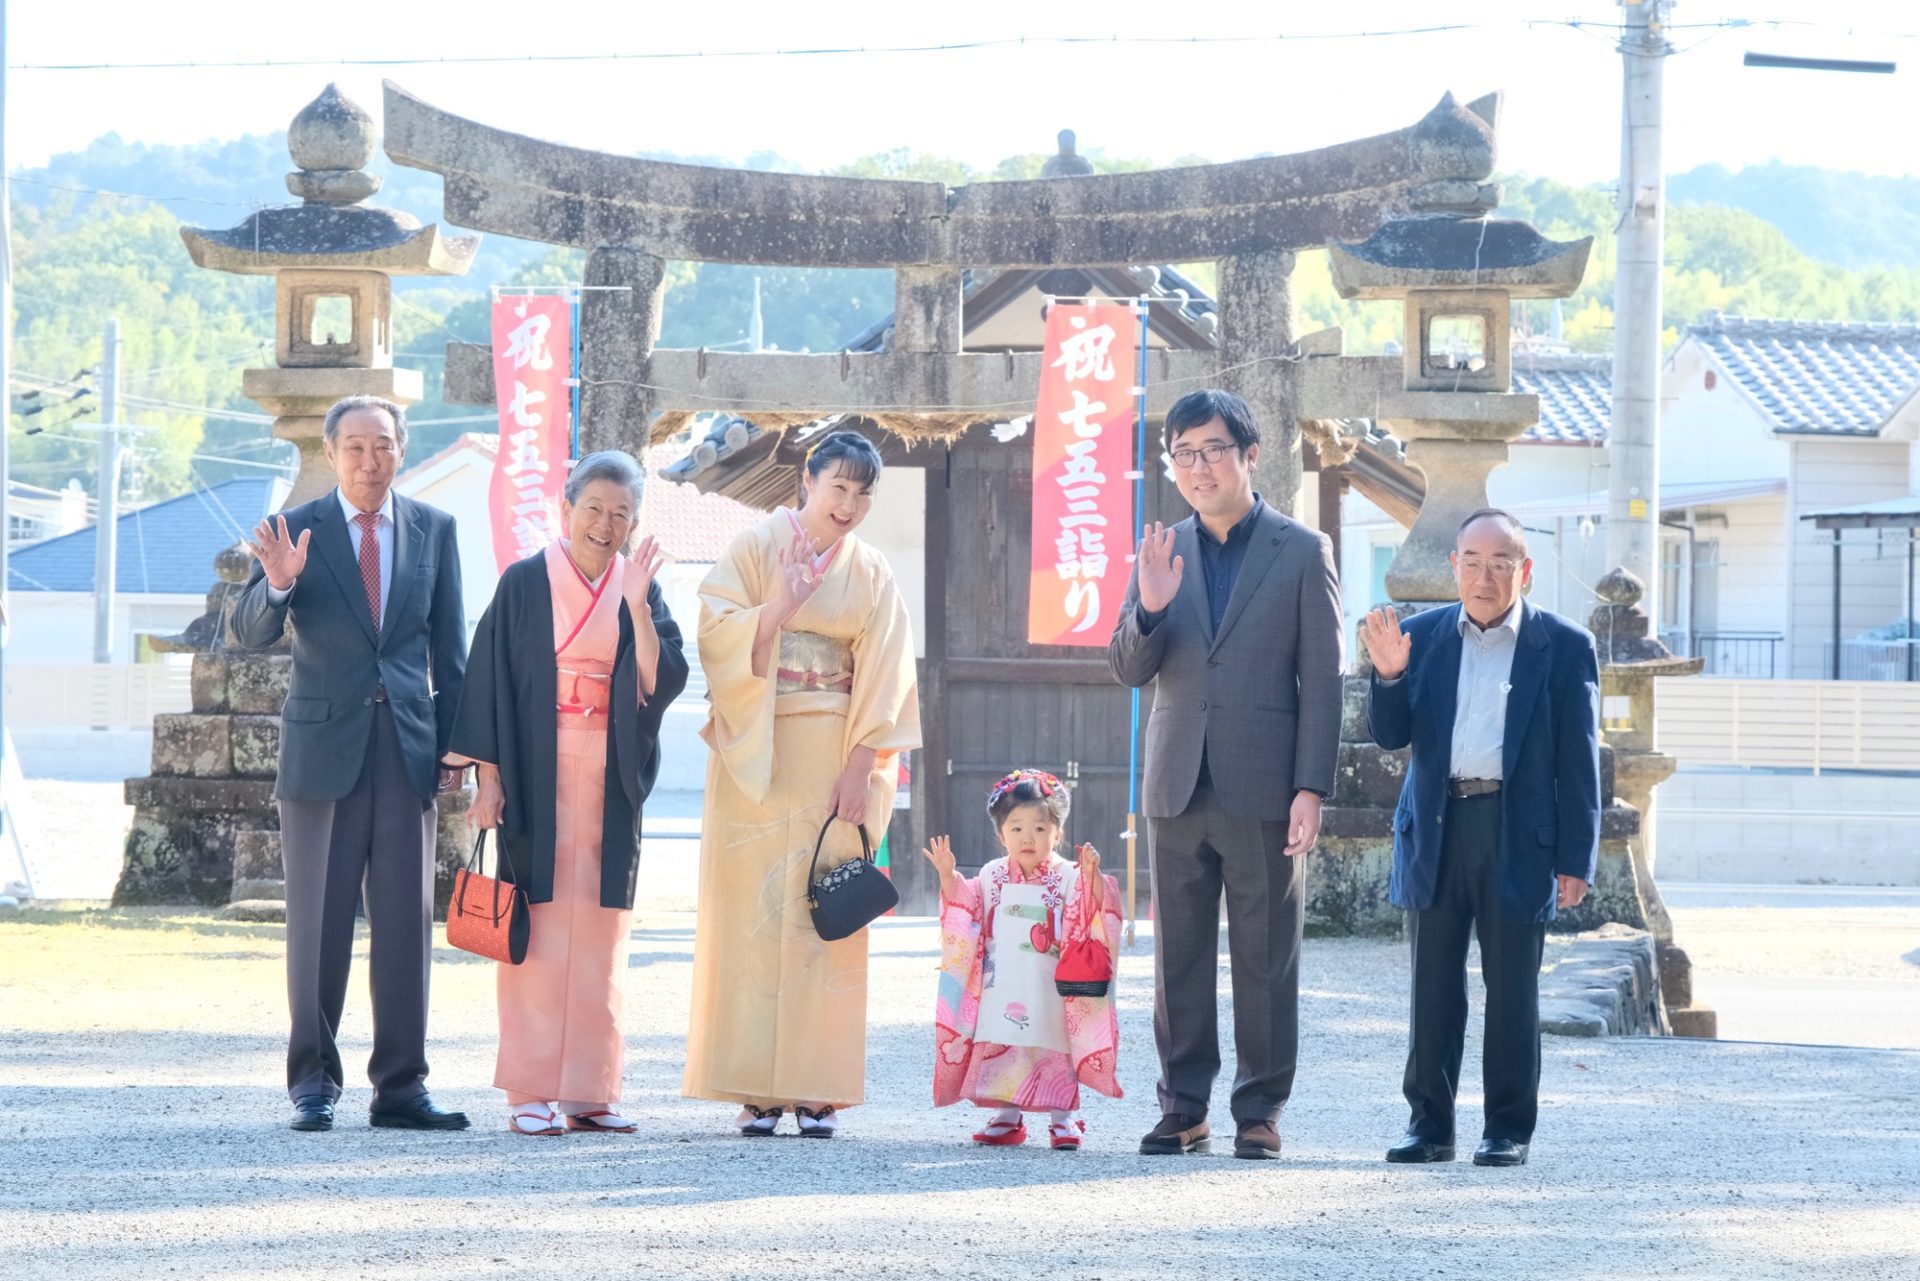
column 379, row 653
column 1245, row 659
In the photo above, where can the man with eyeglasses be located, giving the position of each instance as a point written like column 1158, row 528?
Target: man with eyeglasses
column 1498, row 823
column 1234, row 615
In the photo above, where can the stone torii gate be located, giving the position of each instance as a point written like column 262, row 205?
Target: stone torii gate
column 1250, row 216
column 1407, row 210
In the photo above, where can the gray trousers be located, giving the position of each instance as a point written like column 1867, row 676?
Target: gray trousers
column 1195, row 856
column 378, row 840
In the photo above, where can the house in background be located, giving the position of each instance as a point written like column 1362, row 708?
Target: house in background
column 1809, row 417
column 163, row 568
column 71, row 717
column 35, row 514
column 1765, row 423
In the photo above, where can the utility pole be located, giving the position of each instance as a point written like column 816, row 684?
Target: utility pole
column 106, row 532
column 7, row 835
column 1633, row 443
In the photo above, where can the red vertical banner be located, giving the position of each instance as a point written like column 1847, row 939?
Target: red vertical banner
column 532, row 342
column 1082, row 454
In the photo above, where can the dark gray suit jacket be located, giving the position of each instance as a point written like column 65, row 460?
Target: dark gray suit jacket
column 1263, row 696
column 421, row 655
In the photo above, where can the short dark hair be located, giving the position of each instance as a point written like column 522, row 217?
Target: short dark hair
column 858, row 458
column 1198, row 408
column 1498, row 514
column 1029, row 791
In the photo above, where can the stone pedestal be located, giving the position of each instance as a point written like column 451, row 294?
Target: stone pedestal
column 210, row 795
column 1631, row 660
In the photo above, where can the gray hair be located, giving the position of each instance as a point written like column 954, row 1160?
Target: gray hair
column 354, row 404
column 615, row 465
column 1498, row 516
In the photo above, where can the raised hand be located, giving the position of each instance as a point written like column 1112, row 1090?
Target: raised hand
column 1159, row 569
column 939, row 852
column 280, row 557
column 1090, row 871
column 648, row 559
column 1388, row 645
column 797, row 581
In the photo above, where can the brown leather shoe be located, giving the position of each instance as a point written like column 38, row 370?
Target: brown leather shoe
column 1257, row 1141
column 1175, row 1134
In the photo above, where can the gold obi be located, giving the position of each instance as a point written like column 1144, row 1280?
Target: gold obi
column 585, row 688
column 810, row 663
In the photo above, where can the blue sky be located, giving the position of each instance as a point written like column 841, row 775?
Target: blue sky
column 1219, row 100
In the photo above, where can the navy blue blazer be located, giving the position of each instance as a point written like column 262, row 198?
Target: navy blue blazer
column 1550, row 799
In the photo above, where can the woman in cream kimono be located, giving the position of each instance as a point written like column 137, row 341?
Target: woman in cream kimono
column 808, row 656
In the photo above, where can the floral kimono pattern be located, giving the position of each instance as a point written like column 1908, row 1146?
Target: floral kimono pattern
column 974, row 958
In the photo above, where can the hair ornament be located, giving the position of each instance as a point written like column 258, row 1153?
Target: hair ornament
column 1038, row 777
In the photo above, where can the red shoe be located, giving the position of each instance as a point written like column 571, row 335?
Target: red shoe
column 1066, row 1138
column 1008, row 1136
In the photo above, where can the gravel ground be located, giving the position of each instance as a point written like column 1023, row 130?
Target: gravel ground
column 139, row 1061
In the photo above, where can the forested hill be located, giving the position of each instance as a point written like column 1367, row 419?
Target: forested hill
column 96, row 234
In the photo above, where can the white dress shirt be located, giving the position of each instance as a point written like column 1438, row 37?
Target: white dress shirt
column 382, row 531
column 1480, row 712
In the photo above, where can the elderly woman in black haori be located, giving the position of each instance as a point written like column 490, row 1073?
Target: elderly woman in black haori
column 572, row 667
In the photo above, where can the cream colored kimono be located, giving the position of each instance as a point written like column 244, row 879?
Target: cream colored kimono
column 779, row 1016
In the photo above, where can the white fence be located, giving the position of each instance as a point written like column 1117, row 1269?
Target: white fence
column 83, row 695
column 1812, row 725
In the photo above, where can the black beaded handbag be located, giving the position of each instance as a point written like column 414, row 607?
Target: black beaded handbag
column 850, row 897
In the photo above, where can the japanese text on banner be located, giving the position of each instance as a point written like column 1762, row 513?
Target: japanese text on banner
column 532, row 337
column 1082, row 453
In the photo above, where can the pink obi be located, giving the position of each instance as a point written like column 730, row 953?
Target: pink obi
column 585, row 692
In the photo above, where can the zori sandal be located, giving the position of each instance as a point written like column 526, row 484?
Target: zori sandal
column 601, row 1121
column 535, row 1121
column 1002, row 1134
column 816, row 1123
column 758, row 1123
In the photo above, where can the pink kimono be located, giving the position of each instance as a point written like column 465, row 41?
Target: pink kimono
column 560, row 1009
column 1000, row 938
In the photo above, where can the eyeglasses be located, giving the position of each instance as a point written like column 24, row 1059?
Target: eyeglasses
column 1185, row 458
column 1498, row 566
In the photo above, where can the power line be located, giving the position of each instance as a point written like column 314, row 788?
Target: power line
column 129, row 195
column 956, row 46
column 681, row 55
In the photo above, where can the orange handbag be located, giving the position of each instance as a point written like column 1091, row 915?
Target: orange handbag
column 487, row 916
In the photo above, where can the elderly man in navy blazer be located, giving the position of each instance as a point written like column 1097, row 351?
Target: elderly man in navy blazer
column 1498, row 823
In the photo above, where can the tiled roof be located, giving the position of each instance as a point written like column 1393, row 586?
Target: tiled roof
column 1817, row 377
column 1575, row 408
column 167, row 548
column 693, row 526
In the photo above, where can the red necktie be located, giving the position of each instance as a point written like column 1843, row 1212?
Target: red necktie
column 370, row 563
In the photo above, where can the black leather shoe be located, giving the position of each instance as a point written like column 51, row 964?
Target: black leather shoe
column 418, row 1113
column 312, row 1112
column 1175, row 1134
column 1414, row 1150
column 1500, row 1152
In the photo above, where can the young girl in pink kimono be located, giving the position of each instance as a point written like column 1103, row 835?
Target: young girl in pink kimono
column 1005, row 1038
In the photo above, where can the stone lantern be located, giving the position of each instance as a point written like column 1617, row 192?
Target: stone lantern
column 332, row 259
column 1456, row 276
column 1630, row 661
column 205, row 828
